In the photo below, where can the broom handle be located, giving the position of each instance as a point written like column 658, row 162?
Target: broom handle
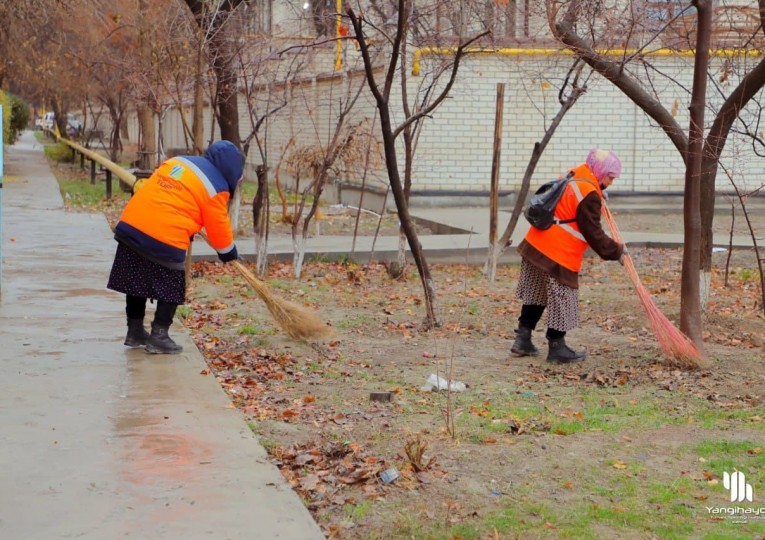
column 249, row 276
column 628, row 263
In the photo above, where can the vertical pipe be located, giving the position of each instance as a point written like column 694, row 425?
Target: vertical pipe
column 93, row 173
column 338, row 42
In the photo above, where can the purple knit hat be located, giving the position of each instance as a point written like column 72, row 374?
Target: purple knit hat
column 603, row 163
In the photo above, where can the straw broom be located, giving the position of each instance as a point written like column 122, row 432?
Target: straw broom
column 297, row 321
column 679, row 351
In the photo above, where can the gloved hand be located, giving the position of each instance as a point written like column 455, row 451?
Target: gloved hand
column 230, row 256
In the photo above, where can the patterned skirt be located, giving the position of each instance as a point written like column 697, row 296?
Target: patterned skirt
column 132, row 274
column 538, row 289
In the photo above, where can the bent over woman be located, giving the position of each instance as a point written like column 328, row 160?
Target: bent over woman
column 552, row 258
column 183, row 195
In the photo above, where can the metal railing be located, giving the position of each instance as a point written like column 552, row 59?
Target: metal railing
column 111, row 168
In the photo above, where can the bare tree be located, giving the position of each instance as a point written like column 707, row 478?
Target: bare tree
column 382, row 96
column 345, row 149
column 266, row 91
column 580, row 28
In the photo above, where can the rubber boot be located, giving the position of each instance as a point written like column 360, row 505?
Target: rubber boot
column 560, row 352
column 522, row 346
column 137, row 336
column 160, row 343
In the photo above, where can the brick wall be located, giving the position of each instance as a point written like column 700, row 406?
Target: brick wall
column 455, row 149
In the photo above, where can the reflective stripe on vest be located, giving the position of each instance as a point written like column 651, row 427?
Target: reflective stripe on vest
column 565, row 226
column 211, row 191
column 563, row 243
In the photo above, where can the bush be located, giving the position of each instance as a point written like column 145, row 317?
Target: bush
column 15, row 116
column 5, row 101
column 20, row 115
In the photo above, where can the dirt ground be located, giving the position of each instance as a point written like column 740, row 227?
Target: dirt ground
column 622, row 445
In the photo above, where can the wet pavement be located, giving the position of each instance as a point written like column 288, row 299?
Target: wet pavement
column 97, row 440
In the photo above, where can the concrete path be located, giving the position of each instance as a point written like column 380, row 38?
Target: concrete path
column 466, row 235
column 98, row 441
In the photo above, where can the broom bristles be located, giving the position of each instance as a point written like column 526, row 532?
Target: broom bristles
column 679, row 351
column 297, row 321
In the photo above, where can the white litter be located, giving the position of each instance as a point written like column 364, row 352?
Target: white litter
column 436, row 383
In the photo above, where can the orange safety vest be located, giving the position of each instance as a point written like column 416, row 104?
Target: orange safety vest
column 564, row 242
column 183, row 195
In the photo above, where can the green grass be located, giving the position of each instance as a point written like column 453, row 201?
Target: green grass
column 349, row 323
column 256, row 329
column 727, row 455
column 711, row 416
column 58, row 152
column 79, row 193
column 631, row 500
column 593, row 409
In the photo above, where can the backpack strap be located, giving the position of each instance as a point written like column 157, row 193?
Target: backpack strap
column 568, row 179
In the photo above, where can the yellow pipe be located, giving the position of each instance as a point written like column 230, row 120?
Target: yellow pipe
column 338, row 42
column 549, row 52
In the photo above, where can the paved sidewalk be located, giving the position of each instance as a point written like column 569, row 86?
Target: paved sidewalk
column 471, row 245
column 98, row 441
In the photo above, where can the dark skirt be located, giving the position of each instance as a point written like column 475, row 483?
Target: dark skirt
column 132, row 274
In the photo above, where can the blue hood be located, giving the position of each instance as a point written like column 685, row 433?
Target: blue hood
column 228, row 160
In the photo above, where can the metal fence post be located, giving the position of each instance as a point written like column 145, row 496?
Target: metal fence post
column 108, row 185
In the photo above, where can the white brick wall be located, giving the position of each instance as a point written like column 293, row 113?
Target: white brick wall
column 455, row 148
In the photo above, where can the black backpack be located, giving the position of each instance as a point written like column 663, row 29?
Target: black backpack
column 541, row 209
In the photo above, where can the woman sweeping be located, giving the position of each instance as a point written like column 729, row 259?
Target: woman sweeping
column 185, row 194
column 552, row 258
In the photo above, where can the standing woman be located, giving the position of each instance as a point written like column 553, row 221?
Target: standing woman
column 552, row 258
column 185, row 194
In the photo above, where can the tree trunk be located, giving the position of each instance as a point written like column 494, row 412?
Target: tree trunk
column 690, row 306
column 148, row 149
column 407, row 224
column 493, row 255
column 717, row 136
column 260, row 215
column 198, row 128
column 222, row 58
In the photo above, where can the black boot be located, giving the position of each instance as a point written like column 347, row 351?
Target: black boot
column 137, row 336
column 560, row 352
column 160, row 343
column 522, row 346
